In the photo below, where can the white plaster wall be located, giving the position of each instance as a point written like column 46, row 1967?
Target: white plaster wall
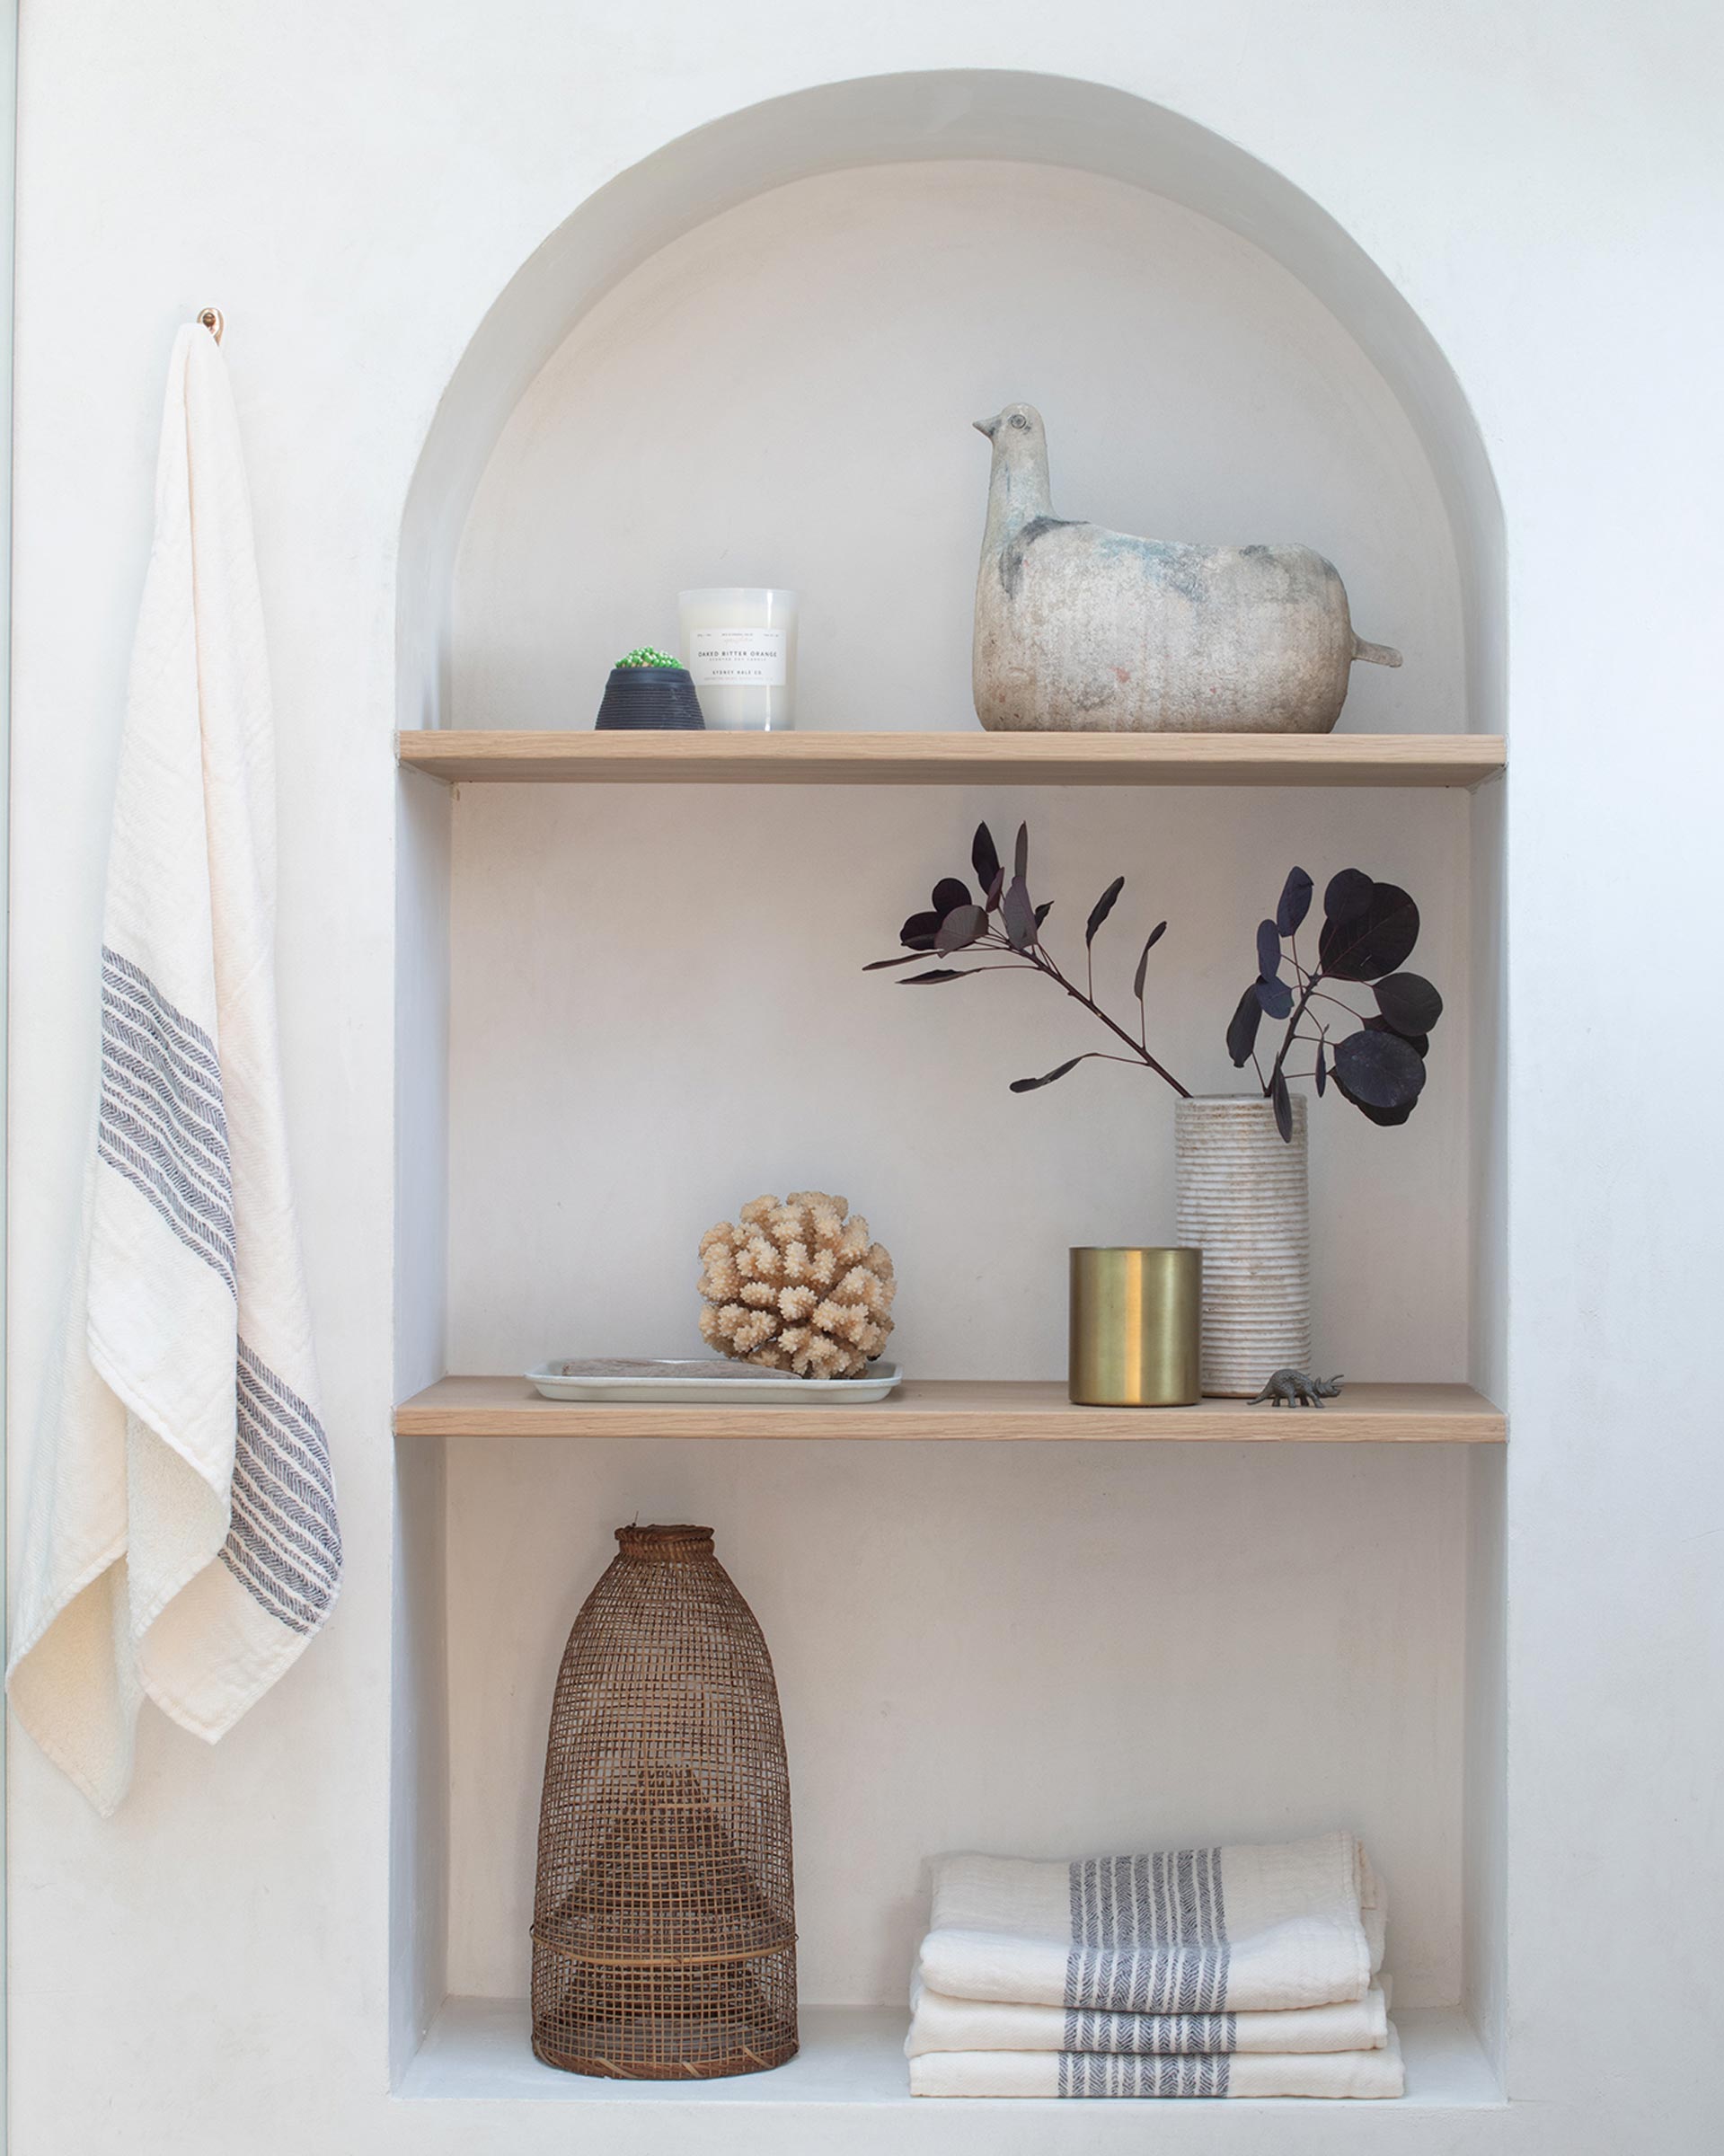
column 354, row 184
column 784, row 396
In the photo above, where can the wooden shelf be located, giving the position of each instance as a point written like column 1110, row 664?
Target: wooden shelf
column 947, row 1409
column 964, row 759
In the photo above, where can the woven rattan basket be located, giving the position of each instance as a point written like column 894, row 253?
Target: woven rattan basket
column 664, row 1937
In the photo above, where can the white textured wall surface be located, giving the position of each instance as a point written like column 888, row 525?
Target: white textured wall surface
column 355, row 184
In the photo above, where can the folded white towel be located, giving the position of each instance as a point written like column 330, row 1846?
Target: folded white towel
column 1241, row 1930
column 1332, row 2073
column 181, row 1542
column 938, row 2023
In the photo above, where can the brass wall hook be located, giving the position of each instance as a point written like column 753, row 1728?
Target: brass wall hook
column 212, row 320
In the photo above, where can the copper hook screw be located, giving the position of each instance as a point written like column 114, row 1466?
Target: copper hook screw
column 211, row 319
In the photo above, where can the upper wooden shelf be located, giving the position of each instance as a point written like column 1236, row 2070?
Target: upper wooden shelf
column 944, row 1408
column 967, row 759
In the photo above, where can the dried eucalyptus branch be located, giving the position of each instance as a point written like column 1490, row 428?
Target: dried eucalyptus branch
column 1369, row 930
column 1008, row 923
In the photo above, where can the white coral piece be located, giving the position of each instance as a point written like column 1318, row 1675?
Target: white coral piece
column 799, row 1286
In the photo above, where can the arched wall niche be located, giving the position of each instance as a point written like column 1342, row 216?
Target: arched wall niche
column 891, row 118
column 1447, row 1841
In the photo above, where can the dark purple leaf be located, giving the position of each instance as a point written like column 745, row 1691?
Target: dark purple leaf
column 984, row 856
column 920, row 930
column 1409, row 1003
column 1043, row 910
column 1269, row 949
column 1030, row 1086
column 1241, row 1028
column 1420, row 1042
column 1348, row 894
column 1374, row 941
column 1021, row 858
column 1281, row 1101
column 1275, row 997
column 1102, row 907
column 995, row 890
column 1155, row 935
column 1388, row 1118
column 1019, row 915
column 1323, row 1071
column 1379, row 1069
column 962, row 925
column 880, row 964
column 1143, row 962
column 1295, row 901
column 948, row 895
column 939, row 973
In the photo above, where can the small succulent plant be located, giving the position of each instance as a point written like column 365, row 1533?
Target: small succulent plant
column 647, row 655
column 1368, row 932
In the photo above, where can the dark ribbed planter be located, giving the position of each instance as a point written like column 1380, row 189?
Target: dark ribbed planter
column 659, row 699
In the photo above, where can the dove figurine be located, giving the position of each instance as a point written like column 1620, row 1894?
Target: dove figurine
column 1082, row 629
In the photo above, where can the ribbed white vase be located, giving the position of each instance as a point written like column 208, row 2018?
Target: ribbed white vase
column 1243, row 1200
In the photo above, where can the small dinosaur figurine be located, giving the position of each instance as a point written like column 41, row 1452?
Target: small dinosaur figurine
column 1294, row 1389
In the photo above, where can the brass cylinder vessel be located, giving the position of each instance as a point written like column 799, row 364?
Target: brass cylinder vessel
column 1136, row 1327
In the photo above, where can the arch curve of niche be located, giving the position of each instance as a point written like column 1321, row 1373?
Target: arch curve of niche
column 1022, row 119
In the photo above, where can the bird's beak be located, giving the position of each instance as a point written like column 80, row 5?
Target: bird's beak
column 987, row 426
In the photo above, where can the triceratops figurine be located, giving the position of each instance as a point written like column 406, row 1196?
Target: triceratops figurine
column 1294, row 1389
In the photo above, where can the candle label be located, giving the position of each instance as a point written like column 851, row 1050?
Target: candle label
column 738, row 658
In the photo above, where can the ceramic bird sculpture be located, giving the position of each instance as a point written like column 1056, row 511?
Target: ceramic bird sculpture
column 1079, row 630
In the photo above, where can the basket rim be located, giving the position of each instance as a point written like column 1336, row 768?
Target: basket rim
column 740, row 2060
column 662, row 1544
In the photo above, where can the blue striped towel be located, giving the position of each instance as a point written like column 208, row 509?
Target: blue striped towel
column 1242, row 1929
column 181, row 1542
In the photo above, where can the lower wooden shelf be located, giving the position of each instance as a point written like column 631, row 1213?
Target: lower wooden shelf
column 945, row 1409
column 479, row 2049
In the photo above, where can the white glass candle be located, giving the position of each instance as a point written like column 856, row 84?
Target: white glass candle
column 739, row 646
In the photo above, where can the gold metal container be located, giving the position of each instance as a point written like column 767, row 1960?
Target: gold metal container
column 1136, row 1327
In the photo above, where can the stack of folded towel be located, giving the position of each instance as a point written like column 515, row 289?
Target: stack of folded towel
column 1195, row 1971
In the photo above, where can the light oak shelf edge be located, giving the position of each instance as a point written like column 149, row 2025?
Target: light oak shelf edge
column 944, row 1409
column 952, row 759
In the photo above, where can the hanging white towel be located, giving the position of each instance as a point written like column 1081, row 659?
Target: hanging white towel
column 938, row 2023
column 181, row 1540
column 1335, row 2073
column 1247, row 1929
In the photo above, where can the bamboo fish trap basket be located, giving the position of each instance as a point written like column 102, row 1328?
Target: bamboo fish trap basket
column 664, row 1939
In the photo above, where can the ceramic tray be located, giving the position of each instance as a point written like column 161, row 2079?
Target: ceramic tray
column 734, row 1384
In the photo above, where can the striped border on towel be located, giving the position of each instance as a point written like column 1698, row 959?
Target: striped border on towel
column 162, row 1123
column 1102, row 2073
column 163, row 1126
column 1154, row 2035
column 283, row 1540
column 1149, row 1935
